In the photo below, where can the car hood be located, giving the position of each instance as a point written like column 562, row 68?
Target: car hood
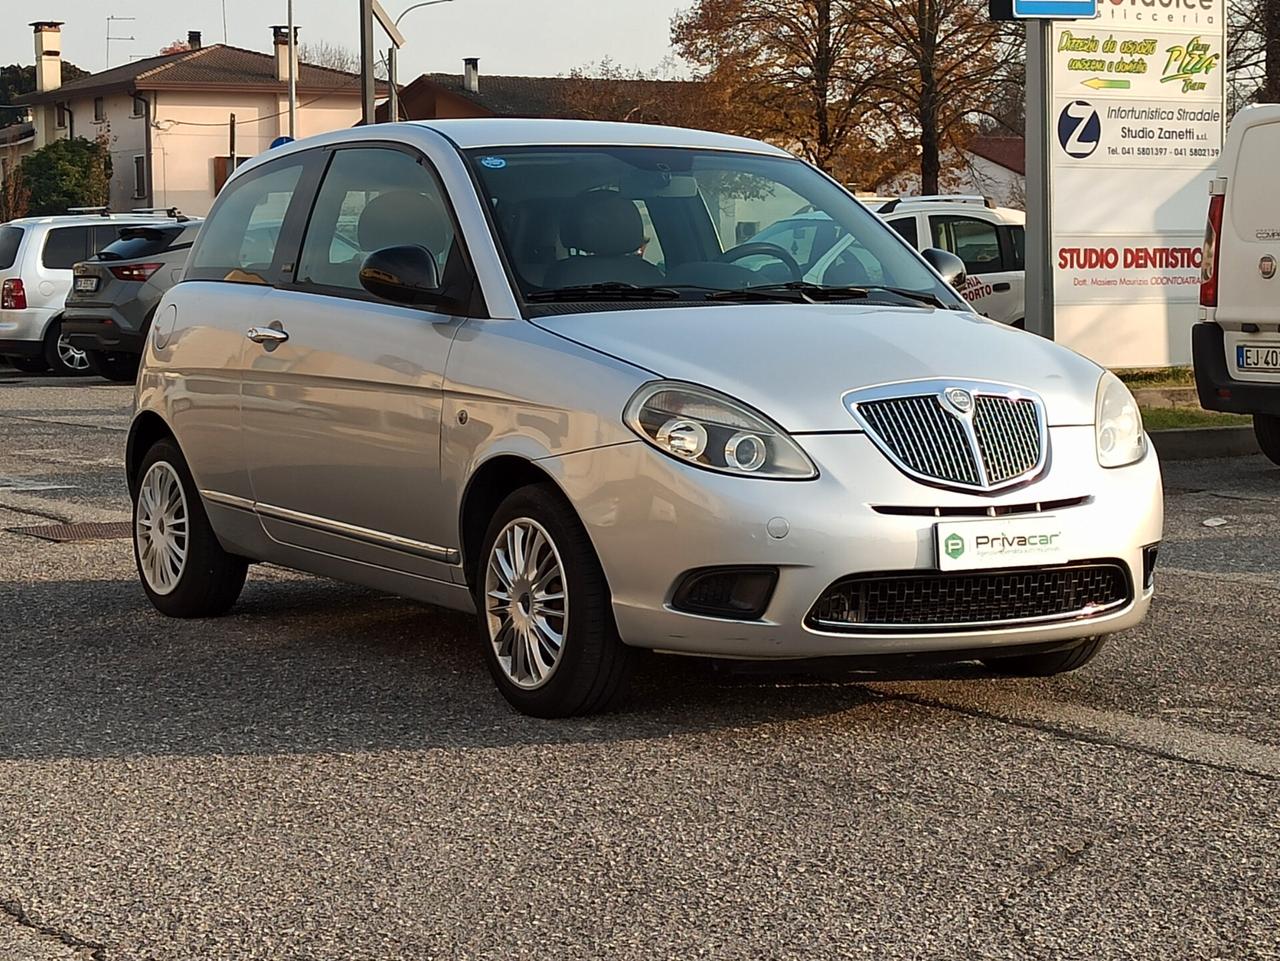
column 795, row 362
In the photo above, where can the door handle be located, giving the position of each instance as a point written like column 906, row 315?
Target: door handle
column 1000, row 288
column 267, row 335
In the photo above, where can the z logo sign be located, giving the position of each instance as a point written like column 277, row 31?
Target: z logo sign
column 1079, row 129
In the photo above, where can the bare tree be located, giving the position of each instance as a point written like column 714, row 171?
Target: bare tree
column 322, row 53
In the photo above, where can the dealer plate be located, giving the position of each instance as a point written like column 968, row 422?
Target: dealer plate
column 1016, row 542
column 1264, row 357
column 87, row 284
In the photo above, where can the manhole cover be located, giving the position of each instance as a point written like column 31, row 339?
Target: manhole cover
column 62, row 533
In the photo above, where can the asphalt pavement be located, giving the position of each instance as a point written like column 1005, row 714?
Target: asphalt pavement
column 328, row 773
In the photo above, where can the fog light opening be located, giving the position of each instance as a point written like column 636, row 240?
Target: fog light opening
column 735, row 593
column 1149, row 554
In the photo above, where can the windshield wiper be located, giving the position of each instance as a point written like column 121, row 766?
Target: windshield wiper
column 816, row 293
column 612, row 290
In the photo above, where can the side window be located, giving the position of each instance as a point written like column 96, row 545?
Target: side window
column 373, row 197
column 974, row 241
column 1018, row 241
column 64, row 247
column 239, row 240
column 906, row 226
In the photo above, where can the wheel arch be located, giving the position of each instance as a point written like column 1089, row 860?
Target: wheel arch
column 147, row 428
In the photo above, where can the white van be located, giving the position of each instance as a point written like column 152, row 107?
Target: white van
column 1236, row 344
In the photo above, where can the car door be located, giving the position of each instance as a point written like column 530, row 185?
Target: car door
column 976, row 241
column 342, row 391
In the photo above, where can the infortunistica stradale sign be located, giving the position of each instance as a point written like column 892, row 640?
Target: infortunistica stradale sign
column 1136, row 119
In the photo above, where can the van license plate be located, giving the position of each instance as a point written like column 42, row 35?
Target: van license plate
column 1258, row 357
column 1019, row 542
column 86, row 285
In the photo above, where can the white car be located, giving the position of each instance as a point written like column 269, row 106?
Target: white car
column 1236, row 344
column 990, row 240
column 36, row 257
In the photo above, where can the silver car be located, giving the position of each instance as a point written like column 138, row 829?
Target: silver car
column 539, row 370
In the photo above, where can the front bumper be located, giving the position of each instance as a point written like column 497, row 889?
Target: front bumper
column 22, row 331
column 1216, row 388
column 652, row 519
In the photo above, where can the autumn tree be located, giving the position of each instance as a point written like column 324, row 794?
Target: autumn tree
column 800, row 73
column 605, row 90
column 945, row 62
column 1253, row 52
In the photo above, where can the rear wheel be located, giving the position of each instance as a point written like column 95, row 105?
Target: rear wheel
column 29, row 365
column 545, row 613
column 114, row 365
column 63, row 359
column 1045, row 665
column 1266, row 427
column 183, row 569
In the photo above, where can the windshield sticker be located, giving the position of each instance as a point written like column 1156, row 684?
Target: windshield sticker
column 493, row 163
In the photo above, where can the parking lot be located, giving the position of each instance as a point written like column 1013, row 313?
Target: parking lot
column 330, row 774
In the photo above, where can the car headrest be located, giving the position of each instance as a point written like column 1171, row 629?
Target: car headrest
column 403, row 217
column 604, row 223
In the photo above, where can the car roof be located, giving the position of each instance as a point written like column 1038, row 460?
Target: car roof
column 76, row 220
column 510, row 132
column 1009, row 215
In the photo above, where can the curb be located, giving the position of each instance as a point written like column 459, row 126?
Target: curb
column 1167, row 397
column 1204, row 443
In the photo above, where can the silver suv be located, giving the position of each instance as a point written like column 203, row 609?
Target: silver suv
column 538, row 370
column 37, row 255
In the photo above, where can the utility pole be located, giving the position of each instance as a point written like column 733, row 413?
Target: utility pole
column 368, row 86
column 393, row 114
column 293, row 79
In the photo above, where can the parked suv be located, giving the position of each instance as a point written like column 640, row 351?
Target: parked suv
column 36, row 258
column 990, row 240
column 525, row 368
column 1236, row 344
column 115, row 293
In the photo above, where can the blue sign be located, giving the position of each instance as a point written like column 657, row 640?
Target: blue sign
column 1055, row 9
column 281, row 141
column 1079, row 129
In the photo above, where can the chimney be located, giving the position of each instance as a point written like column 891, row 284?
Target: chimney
column 193, row 39
column 48, row 54
column 280, row 37
column 471, row 74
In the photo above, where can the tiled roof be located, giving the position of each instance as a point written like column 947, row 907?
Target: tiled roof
column 217, row 66
column 1008, row 152
column 555, row 98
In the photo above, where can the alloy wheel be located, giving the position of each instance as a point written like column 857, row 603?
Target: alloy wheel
column 527, row 603
column 161, row 527
column 73, row 358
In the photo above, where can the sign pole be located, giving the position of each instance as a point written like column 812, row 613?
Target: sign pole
column 1039, row 266
column 367, row 84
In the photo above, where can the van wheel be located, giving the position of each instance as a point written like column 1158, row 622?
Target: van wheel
column 183, row 568
column 546, row 617
column 63, row 359
column 114, row 365
column 1266, row 427
column 29, row 365
column 1046, row 665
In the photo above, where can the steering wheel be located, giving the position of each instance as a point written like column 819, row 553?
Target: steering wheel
column 761, row 248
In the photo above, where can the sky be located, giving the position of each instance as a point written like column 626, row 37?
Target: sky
column 528, row 37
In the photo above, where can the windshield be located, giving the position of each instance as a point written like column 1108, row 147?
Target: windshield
column 659, row 223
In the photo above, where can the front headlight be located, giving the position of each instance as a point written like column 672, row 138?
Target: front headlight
column 711, row 430
column 1118, row 424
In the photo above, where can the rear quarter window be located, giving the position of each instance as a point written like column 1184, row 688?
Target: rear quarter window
column 10, row 241
column 64, row 247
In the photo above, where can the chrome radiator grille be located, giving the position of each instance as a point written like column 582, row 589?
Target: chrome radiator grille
column 967, row 435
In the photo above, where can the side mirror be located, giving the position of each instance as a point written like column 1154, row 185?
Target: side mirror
column 947, row 264
column 405, row 274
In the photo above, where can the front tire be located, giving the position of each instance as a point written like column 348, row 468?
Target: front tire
column 545, row 613
column 1046, row 665
column 63, row 359
column 113, row 365
column 182, row 567
column 1266, row 428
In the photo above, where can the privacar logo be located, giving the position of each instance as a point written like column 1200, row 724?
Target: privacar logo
column 953, row 545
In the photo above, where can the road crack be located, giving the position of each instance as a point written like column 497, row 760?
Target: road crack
column 15, row 910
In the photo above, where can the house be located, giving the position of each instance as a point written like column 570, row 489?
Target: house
column 992, row 166
column 435, row 96
column 174, row 122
